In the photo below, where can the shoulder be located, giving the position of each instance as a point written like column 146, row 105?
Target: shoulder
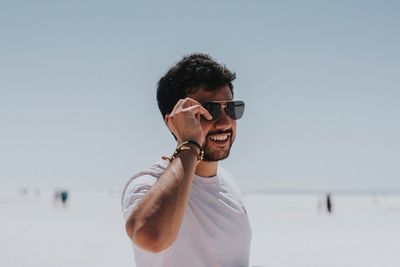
column 228, row 181
column 143, row 180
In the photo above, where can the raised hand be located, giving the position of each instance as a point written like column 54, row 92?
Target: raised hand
column 184, row 120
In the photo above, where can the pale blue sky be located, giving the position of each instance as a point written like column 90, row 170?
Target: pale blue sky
column 320, row 80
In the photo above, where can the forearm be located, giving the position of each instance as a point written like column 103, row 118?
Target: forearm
column 155, row 222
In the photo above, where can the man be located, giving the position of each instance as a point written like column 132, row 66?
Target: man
column 186, row 211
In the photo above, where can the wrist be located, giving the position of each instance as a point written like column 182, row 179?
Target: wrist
column 191, row 146
column 198, row 140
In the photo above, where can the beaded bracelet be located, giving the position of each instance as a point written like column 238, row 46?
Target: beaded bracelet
column 188, row 145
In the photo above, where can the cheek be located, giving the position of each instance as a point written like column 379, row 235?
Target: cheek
column 206, row 127
column 233, row 123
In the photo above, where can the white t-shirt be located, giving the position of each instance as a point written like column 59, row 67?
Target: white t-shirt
column 215, row 231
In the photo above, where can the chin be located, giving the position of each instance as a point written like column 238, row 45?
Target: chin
column 215, row 156
column 212, row 153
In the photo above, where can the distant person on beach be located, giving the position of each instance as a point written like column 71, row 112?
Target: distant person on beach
column 186, row 210
column 64, row 197
column 329, row 203
column 61, row 196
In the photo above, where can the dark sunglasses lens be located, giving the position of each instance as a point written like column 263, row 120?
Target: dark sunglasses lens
column 213, row 109
column 235, row 109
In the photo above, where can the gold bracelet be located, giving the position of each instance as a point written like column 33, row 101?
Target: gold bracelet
column 188, row 145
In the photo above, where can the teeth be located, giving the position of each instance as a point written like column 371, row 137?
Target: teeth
column 220, row 137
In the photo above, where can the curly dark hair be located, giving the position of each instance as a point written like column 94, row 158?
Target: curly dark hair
column 193, row 72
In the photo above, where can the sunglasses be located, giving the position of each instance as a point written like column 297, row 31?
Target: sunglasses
column 234, row 109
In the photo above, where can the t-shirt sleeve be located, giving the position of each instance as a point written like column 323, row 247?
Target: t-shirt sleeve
column 135, row 191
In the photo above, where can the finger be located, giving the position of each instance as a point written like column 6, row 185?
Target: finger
column 177, row 106
column 191, row 102
column 187, row 102
column 198, row 109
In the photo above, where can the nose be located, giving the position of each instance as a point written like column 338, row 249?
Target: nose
column 223, row 122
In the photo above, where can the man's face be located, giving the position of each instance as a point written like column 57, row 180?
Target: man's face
column 219, row 133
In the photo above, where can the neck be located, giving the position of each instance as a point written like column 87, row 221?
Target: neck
column 207, row 168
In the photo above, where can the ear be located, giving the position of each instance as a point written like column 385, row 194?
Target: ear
column 166, row 118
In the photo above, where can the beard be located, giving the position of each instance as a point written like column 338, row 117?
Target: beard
column 212, row 153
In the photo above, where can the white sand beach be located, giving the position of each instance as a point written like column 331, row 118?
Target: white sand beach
column 288, row 230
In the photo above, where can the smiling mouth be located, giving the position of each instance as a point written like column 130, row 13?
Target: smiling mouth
column 220, row 138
